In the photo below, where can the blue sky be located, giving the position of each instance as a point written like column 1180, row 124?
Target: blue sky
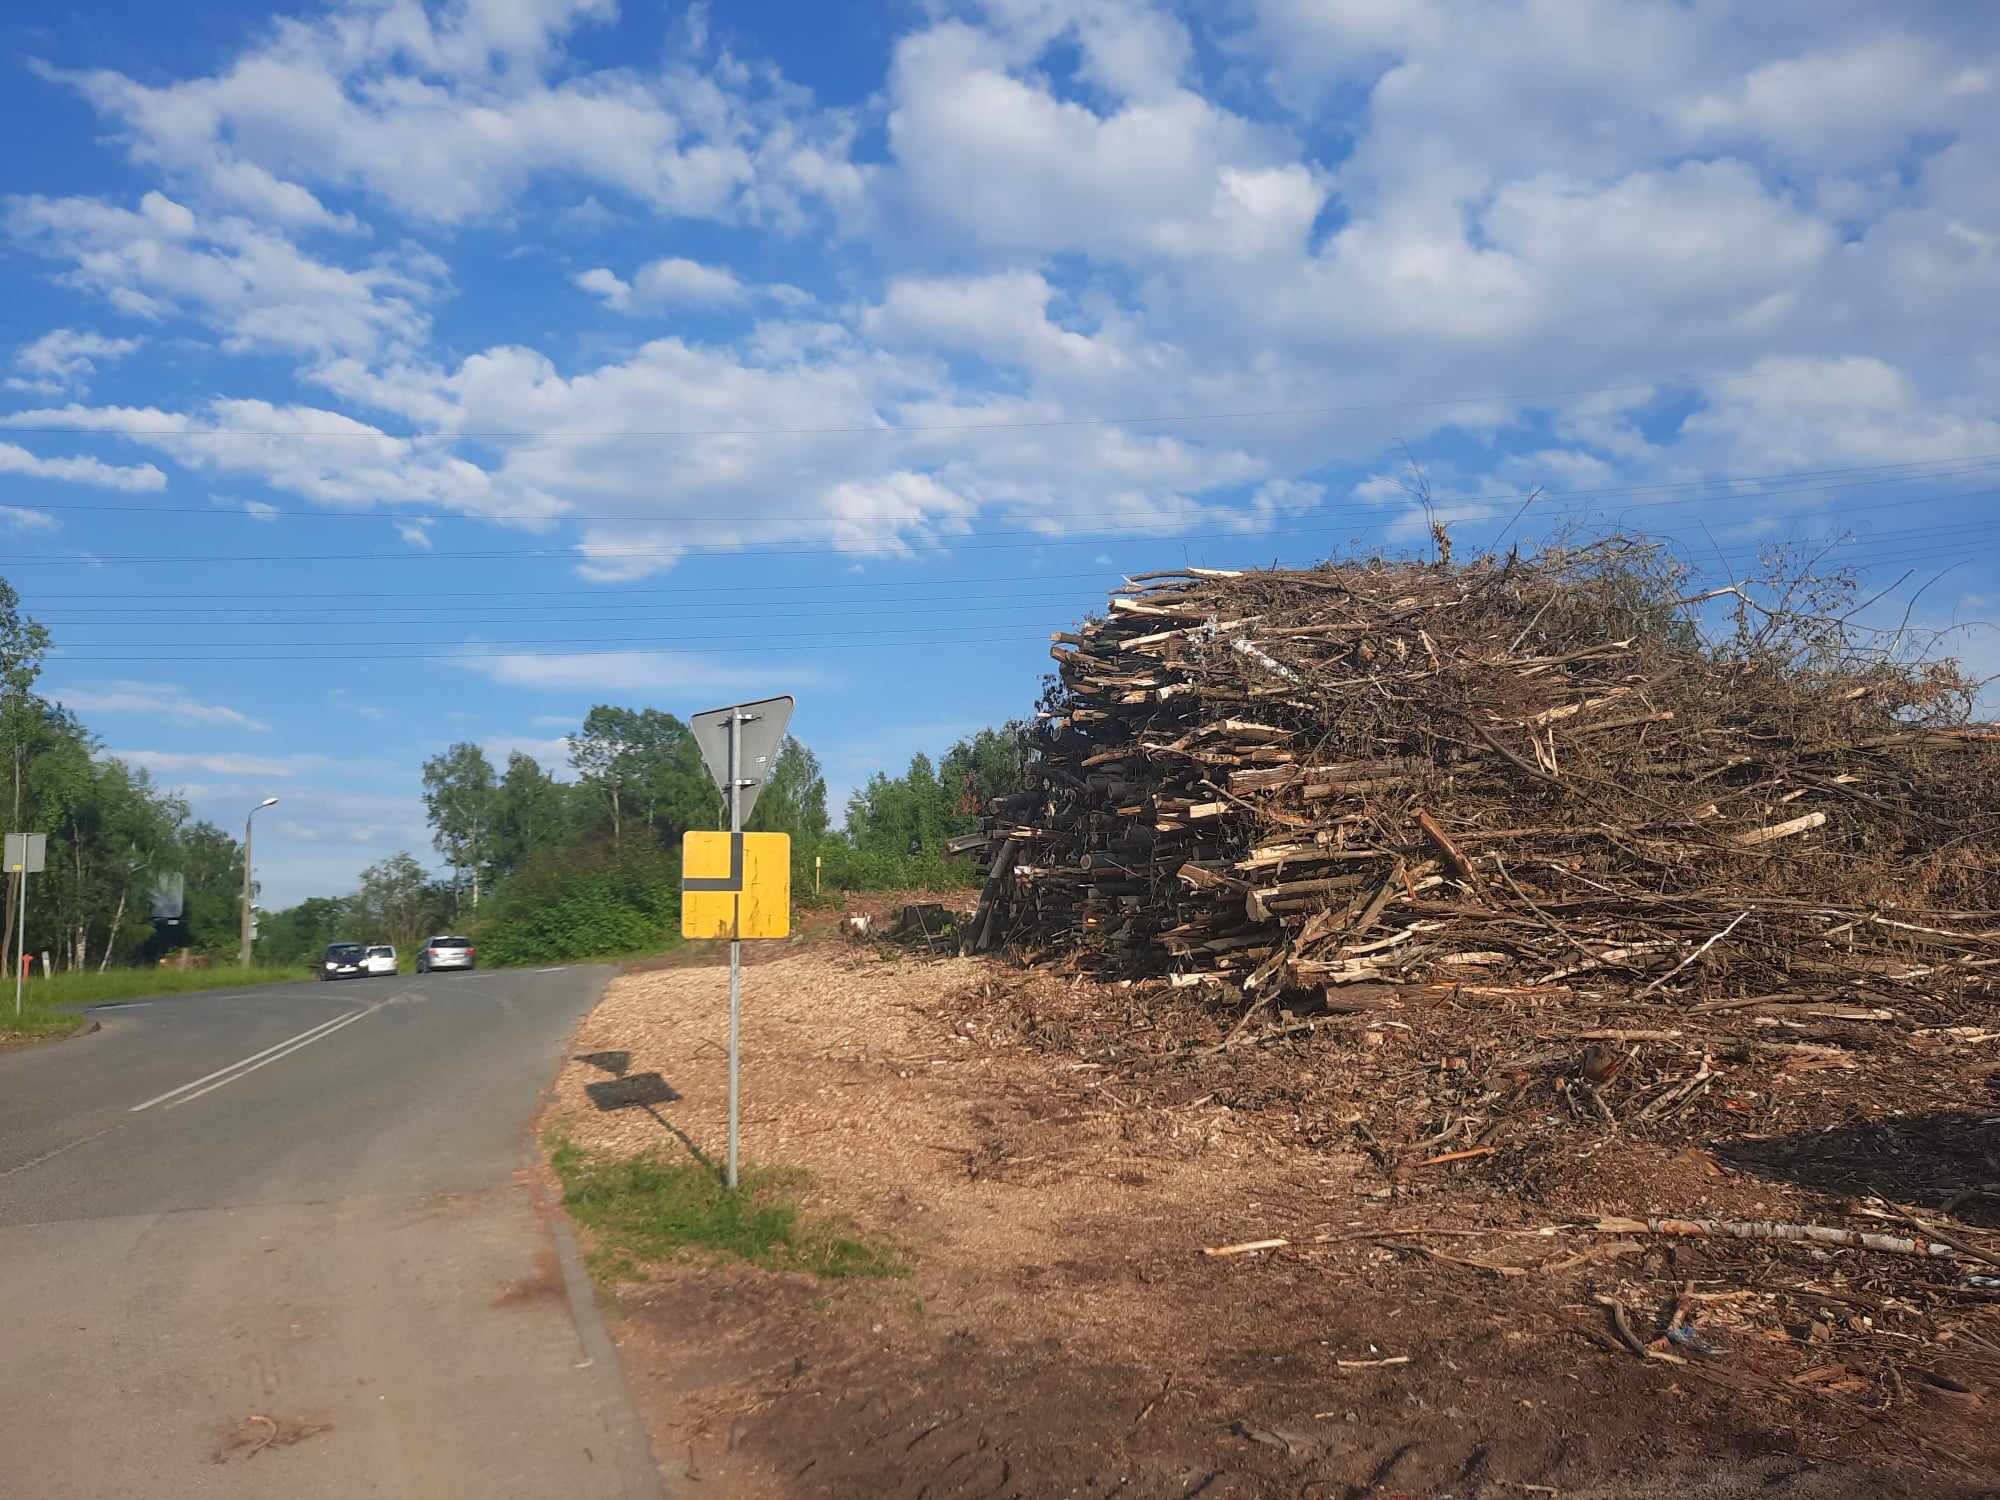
column 378, row 375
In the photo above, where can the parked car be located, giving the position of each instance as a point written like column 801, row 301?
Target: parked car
column 381, row 959
column 446, row 953
column 341, row 961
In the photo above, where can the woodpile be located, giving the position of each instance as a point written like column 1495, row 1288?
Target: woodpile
column 1501, row 774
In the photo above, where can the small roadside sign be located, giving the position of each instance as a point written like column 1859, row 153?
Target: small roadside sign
column 760, row 732
column 736, row 885
column 25, row 854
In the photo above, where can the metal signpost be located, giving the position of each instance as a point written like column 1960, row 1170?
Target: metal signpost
column 26, row 854
column 740, row 746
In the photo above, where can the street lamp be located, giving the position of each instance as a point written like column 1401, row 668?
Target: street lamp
column 267, row 802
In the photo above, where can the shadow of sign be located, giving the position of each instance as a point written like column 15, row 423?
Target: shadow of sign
column 1947, row 1160
column 639, row 1091
column 614, row 1063
column 647, row 1091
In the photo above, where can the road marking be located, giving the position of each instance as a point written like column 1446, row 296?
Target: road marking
column 556, row 970
column 280, row 1057
column 312, row 1034
column 68, row 1146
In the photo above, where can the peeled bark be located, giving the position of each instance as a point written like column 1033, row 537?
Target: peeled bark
column 111, row 942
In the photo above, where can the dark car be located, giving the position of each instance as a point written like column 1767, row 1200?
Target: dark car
column 342, row 961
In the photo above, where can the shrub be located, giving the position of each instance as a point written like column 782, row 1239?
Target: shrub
column 584, row 903
column 846, row 868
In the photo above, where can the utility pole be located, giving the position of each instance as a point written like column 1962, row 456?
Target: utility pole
column 244, row 956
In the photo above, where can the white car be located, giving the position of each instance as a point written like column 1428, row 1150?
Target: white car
column 380, row 959
column 445, row 953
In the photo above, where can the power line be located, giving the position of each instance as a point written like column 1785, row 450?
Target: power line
column 884, row 429
column 1159, row 530
column 789, row 608
column 820, row 645
column 807, row 642
column 846, row 608
column 711, row 588
column 593, row 640
column 1936, row 468
column 746, row 549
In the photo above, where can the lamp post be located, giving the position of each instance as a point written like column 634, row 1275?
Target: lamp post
column 267, row 802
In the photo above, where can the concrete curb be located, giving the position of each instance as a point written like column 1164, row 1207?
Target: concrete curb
column 632, row 1462
column 637, row 1470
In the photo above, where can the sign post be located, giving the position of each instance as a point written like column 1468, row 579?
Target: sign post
column 753, row 898
column 26, row 854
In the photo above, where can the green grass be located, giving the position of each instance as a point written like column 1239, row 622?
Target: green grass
column 52, row 1006
column 643, row 1208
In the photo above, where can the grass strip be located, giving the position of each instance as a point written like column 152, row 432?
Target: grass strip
column 649, row 1209
column 52, row 1007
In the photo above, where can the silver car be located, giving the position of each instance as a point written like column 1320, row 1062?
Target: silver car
column 446, row 953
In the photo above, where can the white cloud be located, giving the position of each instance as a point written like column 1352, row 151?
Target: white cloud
column 552, row 755
column 21, row 518
column 639, row 671
column 675, row 282
column 64, row 359
column 452, row 115
column 326, row 457
column 601, row 283
column 254, row 287
column 1084, row 209
column 988, row 149
column 1851, row 104
column 1003, row 317
column 554, row 721
column 1795, row 413
column 15, row 459
column 157, row 700
column 209, row 763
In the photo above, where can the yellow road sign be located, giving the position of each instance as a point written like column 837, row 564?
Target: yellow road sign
column 736, row 885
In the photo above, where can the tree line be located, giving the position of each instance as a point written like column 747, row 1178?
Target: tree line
column 536, row 864
column 111, row 833
column 543, row 868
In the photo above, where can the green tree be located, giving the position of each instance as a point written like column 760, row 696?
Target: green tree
column 647, row 770
column 398, row 901
column 793, row 799
column 212, row 864
column 458, row 795
column 300, row 933
column 531, row 815
column 975, row 771
column 597, row 752
column 23, row 643
column 113, row 831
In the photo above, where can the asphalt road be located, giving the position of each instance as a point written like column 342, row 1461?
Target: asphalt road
column 280, row 1241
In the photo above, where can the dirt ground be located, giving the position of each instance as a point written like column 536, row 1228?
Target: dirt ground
column 1052, row 1161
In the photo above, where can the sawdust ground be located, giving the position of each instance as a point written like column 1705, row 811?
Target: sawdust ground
column 1059, row 1330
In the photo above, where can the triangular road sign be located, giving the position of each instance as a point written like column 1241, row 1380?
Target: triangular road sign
column 763, row 731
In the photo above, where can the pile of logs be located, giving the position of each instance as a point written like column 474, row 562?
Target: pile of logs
column 1505, row 773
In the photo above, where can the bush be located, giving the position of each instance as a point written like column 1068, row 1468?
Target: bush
column 584, row 903
column 846, row 868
